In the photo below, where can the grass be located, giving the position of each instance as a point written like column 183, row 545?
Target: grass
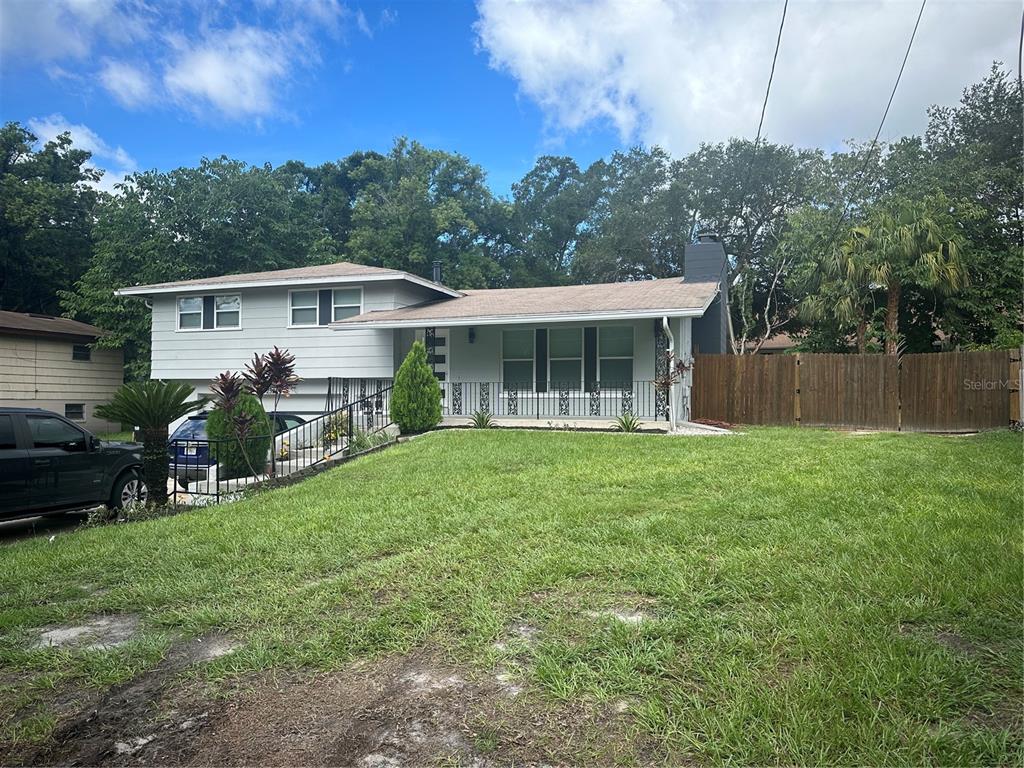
column 812, row 597
column 124, row 436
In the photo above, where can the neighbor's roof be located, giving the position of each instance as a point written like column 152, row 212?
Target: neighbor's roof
column 31, row 324
column 342, row 271
column 604, row 301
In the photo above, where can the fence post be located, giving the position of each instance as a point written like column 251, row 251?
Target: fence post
column 348, row 445
column 796, row 389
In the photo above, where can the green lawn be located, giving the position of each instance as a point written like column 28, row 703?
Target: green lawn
column 801, row 596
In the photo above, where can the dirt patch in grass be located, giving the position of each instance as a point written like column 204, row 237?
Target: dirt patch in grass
column 96, row 634
column 98, row 728
column 405, row 710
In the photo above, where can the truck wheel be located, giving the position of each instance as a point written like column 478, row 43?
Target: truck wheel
column 129, row 491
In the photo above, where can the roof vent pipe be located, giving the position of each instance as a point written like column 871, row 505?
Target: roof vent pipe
column 437, row 272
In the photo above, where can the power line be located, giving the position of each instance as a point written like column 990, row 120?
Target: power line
column 859, row 179
column 1020, row 52
column 764, row 108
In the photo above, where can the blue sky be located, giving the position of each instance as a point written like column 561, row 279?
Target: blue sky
column 149, row 85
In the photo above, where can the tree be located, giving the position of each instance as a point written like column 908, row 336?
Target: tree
column 221, row 218
column 416, row 395
column 46, row 215
column 905, row 243
column 422, row 205
column 152, row 406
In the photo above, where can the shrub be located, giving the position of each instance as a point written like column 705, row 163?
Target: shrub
column 364, row 441
column 225, row 446
column 334, row 430
column 482, row 420
column 151, row 406
column 627, row 422
column 416, row 397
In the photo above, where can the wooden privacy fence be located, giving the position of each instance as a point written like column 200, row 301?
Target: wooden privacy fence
column 942, row 392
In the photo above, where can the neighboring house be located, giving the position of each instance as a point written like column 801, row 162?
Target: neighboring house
column 779, row 344
column 52, row 363
column 572, row 351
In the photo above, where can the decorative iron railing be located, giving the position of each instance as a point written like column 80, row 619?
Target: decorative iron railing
column 218, row 468
column 641, row 398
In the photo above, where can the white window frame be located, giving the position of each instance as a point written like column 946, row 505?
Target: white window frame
column 178, row 313
column 550, row 382
column 335, row 305
column 202, row 313
column 316, row 306
column 216, row 312
column 532, row 359
column 601, row 357
column 316, row 290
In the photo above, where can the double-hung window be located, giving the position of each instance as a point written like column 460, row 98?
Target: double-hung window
column 565, row 358
column 209, row 312
column 346, row 302
column 190, row 313
column 304, row 306
column 615, row 355
column 227, row 312
column 517, row 359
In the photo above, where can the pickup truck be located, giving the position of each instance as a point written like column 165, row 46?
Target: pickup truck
column 49, row 464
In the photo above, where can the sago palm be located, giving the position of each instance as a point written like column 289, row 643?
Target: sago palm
column 152, row 406
column 905, row 243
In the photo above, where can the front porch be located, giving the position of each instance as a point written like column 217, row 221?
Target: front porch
column 599, row 402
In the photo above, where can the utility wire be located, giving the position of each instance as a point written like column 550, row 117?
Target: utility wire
column 764, row 107
column 1020, row 52
column 859, row 179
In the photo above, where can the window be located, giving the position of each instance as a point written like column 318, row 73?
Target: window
column 517, row 359
column 565, row 353
column 347, row 302
column 304, row 307
column 227, row 311
column 615, row 356
column 190, row 313
column 74, row 411
column 51, row 432
column 81, row 352
column 7, row 440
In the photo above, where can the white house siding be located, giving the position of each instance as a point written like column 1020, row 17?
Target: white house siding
column 196, row 356
column 39, row 372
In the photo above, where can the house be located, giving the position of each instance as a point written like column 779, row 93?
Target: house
column 568, row 351
column 52, row 363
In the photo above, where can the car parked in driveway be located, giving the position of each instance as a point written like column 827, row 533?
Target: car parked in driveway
column 50, row 464
column 189, row 450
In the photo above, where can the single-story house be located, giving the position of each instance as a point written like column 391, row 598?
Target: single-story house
column 52, row 363
column 570, row 351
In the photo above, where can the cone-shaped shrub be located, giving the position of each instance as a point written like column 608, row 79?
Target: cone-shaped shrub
column 416, row 397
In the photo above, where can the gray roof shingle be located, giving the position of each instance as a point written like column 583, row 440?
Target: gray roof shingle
column 670, row 295
column 31, row 324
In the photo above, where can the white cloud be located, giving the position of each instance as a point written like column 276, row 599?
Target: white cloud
column 132, row 86
column 677, row 73
column 211, row 59
column 236, row 72
column 45, row 30
column 115, row 162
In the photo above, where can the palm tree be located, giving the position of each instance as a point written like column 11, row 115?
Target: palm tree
column 831, row 293
column 904, row 243
column 152, row 406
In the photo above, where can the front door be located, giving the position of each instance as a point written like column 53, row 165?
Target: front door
column 63, row 472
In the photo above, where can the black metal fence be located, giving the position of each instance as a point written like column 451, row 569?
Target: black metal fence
column 217, row 469
column 644, row 399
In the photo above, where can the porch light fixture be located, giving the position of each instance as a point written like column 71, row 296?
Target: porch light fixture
column 472, row 334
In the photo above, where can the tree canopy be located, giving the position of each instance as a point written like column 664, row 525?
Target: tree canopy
column 786, row 215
